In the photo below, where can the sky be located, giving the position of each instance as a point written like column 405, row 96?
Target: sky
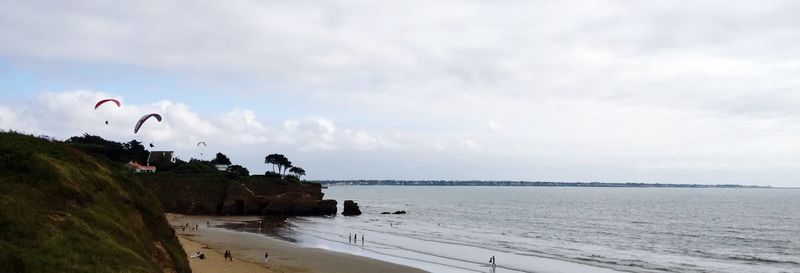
column 614, row 91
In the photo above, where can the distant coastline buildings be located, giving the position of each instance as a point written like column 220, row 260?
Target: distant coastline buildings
column 523, row 184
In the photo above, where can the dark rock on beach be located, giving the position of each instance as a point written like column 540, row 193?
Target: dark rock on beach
column 399, row 212
column 350, row 208
column 386, row 212
column 327, row 207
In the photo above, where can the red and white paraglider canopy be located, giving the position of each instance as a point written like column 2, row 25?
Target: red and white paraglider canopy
column 107, row 100
column 145, row 118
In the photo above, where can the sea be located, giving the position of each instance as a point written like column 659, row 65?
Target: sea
column 564, row 229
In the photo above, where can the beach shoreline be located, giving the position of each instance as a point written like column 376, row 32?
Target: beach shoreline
column 248, row 250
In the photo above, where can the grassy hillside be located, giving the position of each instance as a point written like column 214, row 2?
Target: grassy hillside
column 62, row 210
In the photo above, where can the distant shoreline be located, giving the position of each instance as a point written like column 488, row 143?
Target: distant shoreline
column 528, row 184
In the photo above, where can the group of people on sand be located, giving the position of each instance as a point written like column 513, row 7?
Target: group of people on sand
column 353, row 238
column 184, row 226
column 199, row 255
column 228, row 255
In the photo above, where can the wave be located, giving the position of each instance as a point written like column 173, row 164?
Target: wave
column 500, row 246
column 759, row 260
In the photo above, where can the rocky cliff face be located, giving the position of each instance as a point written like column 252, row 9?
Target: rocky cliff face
column 254, row 195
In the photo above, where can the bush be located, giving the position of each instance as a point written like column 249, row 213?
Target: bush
column 271, row 174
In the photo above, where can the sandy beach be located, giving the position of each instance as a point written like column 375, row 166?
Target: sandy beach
column 248, row 251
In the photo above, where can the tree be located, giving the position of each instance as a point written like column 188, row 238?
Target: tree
column 194, row 166
column 97, row 145
column 135, row 151
column 280, row 161
column 221, row 159
column 238, row 170
column 297, row 171
column 272, row 159
column 285, row 164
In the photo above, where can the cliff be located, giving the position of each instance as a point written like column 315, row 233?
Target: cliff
column 62, row 210
column 220, row 194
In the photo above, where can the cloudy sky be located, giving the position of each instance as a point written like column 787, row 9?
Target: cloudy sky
column 619, row 91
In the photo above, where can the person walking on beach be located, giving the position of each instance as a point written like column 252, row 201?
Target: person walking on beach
column 362, row 239
column 349, row 238
column 266, row 257
column 225, row 255
column 355, row 237
column 196, row 227
column 492, row 261
column 208, row 224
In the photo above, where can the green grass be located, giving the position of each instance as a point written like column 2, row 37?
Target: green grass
column 62, row 210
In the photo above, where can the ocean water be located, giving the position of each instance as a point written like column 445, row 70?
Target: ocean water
column 544, row 229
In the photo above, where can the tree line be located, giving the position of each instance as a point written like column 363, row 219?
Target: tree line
column 137, row 152
column 283, row 164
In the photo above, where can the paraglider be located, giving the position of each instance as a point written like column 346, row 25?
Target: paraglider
column 107, row 100
column 101, row 102
column 143, row 119
column 151, row 145
column 204, row 145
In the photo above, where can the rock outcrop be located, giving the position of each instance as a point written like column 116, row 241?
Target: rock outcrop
column 396, row 212
column 254, row 195
column 350, row 208
column 327, row 207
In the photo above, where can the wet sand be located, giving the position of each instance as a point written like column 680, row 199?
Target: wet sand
column 248, row 251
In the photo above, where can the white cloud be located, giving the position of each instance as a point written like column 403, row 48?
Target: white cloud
column 8, row 118
column 65, row 114
column 248, row 130
column 309, row 134
column 362, row 140
column 470, row 145
column 494, row 125
column 601, row 85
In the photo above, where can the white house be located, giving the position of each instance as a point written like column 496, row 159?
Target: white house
column 160, row 156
